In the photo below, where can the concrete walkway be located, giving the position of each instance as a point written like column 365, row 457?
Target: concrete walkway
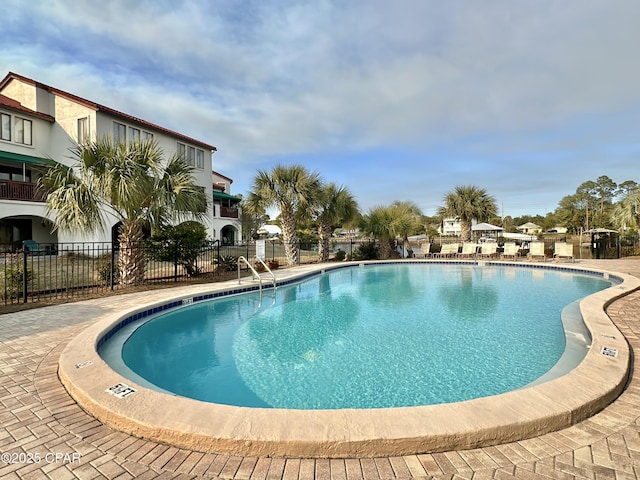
column 45, row 435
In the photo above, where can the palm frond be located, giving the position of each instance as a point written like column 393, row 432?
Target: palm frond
column 71, row 202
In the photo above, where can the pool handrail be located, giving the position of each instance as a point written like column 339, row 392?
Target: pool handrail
column 254, row 273
column 273, row 277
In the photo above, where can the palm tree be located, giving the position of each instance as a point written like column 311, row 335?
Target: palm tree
column 129, row 180
column 294, row 190
column 406, row 220
column 626, row 213
column 376, row 223
column 335, row 206
column 468, row 202
column 386, row 223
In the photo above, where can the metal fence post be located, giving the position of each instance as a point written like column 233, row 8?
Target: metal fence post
column 175, row 262
column 619, row 248
column 113, row 265
column 25, row 282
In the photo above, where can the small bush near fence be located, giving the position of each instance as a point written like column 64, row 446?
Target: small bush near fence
column 366, row 251
column 12, row 283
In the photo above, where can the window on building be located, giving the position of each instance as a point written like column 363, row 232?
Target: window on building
column 119, row 132
column 14, row 173
column 5, row 127
column 188, row 153
column 134, row 134
column 182, row 150
column 191, row 156
column 147, row 136
column 23, row 131
column 199, row 158
column 83, row 130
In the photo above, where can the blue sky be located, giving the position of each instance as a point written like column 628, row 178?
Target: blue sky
column 395, row 100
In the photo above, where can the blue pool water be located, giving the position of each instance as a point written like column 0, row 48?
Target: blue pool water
column 364, row 337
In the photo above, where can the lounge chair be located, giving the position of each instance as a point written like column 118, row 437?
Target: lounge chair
column 447, row 250
column 511, row 251
column 468, row 250
column 488, row 250
column 536, row 250
column 563, row 250
column 424, row 252
column 34, row 248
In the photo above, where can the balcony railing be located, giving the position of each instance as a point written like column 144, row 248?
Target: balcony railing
column 229, row 212
column 25, row 191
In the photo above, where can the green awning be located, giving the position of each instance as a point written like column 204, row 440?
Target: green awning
column 225, row 196
column 29, row 160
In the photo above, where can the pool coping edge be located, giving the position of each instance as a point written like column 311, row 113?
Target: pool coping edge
column 486, row 421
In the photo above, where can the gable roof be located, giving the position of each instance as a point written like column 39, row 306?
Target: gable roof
column 485, row 227
column 11, row 104
column 529, row 226
column 224, row 177
column 102, row 108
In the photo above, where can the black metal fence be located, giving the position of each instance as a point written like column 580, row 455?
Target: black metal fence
column 597, row 246
column 38, row 272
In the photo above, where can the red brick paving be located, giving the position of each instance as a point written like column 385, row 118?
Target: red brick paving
column 39, row 418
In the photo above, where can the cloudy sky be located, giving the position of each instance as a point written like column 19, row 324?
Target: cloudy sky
column 398, row 100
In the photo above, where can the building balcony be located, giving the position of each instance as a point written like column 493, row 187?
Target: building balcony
column 23, row 191
column 229, row 212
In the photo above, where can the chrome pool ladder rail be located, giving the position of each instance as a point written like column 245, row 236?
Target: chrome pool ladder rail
column 254, row 273
column 273, row 277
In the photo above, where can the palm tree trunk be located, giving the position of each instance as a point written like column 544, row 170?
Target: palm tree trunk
column 324, row 232
column 289, row 237
column 465, row 230
column 131, row 255
column 386, row 248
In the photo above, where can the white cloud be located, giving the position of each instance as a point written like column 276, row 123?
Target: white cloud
column 278, row 80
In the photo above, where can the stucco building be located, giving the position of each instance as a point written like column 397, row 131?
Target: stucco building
column 40, row 124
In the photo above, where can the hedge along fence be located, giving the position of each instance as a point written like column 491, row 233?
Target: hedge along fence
column 39, row 272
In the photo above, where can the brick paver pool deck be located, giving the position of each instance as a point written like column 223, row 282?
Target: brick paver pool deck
column 44, row 434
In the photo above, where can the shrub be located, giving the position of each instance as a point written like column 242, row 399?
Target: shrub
column 340, row 255
column 12, row 283
column 227, row 263
column 181, row 244
column 273, row 264
column 366, row 251
column 104, row 269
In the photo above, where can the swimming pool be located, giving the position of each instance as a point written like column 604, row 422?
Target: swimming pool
column 378, row 336
column 337, row 433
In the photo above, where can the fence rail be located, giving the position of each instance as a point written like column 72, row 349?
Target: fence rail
column 42, row 272
column 37, row 272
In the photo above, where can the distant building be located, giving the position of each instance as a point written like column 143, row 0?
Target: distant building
column 227, row 224
column 269, row 231
column 450, row 226
column 346, row 232
column 529, row 228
